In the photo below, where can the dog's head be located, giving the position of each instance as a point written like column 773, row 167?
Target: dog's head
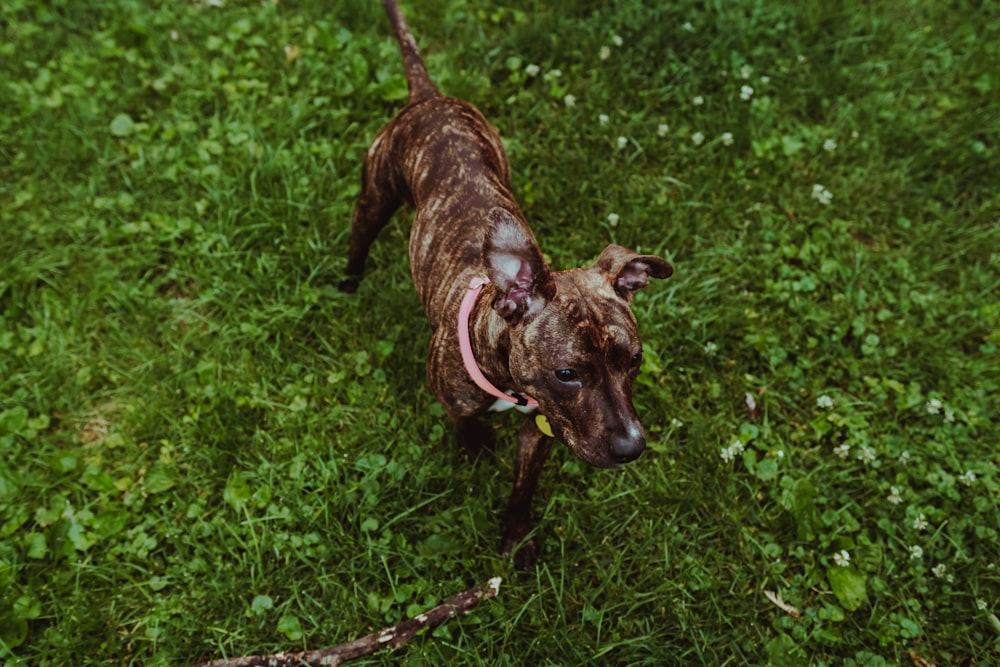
column 574, row 343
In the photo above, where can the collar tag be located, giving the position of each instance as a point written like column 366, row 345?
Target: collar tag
column 542, row 422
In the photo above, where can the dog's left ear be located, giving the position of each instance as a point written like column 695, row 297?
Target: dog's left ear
column 629, row 271
column 515, row 267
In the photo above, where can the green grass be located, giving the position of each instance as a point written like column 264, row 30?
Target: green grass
column 207, row 450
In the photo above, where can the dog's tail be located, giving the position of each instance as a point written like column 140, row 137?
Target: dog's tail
column 419, row 82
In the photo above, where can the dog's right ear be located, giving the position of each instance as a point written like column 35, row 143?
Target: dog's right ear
column 515, row 267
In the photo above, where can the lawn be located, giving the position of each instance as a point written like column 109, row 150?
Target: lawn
column 207, row 450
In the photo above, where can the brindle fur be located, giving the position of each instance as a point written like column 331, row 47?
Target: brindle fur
column 443, row 158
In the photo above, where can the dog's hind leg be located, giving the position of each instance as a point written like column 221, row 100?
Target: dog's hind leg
column 376, row 204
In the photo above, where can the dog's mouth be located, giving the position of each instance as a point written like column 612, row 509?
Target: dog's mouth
column 608, row 453
column 599, row 445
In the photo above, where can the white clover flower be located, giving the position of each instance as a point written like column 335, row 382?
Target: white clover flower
column 933, row 406
column 605, row 53
column 687, row 27
column 613, row 219
column 569, row 100
column 746, row 92
column 711, row 348
column 732, row 451
column 532, row 69
column 967, row 478
column 174, row 36
column 842, row 451
column 552, row 74
column 904, row 456
column 697, row 100
column 622, row 142
column 780, row 453
column 750, row 401
column 697, row 138
column 939, row 570
column 662, row 129
column 920, row 523
column 603, row 119
column 829, row 145
column 675, row 422
column 982, row 605
column 916, row 552
column 821, row 194
column 842, row 558
column 746, row 71
column 616, row 40
column 894, row 496
column 765, row 79
column 727, row 138
column 824, row 402
column 949, row 416
column 866, row 455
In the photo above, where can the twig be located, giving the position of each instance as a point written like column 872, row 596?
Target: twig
column 394, row 636
column 775, row 599
column 920, row 662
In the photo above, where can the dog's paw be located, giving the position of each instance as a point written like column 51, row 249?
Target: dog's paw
column 525, row 550
column 526, row 556
column 349, row 285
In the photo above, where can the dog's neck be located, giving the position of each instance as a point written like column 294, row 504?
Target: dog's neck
column 505, row 399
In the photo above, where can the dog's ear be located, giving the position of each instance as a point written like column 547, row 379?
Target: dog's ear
column 515, row 267
column 629, row 271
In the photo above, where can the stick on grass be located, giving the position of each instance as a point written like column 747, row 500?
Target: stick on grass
column 394, row 636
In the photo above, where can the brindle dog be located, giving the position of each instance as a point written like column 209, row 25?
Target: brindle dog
column 562, row 344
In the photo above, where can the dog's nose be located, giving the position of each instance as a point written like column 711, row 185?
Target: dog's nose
column 625, row 448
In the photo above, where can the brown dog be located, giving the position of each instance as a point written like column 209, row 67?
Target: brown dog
column 561, row 344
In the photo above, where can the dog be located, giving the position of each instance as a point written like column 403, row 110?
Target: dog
column 562, row 346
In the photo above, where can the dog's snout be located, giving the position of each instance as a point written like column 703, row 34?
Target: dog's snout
column 625, row 448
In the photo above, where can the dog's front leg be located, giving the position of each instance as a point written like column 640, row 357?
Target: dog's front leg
column 478, row 438
column 533, row 448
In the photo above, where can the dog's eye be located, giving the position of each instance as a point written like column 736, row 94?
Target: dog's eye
column 636, row 360
column 566, row 375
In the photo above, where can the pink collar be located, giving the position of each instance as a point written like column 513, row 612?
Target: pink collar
column 469, row 359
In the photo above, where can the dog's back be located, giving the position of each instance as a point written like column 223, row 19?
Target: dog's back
column 441, row 150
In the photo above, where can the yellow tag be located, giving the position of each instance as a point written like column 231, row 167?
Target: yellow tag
column 542, row 422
